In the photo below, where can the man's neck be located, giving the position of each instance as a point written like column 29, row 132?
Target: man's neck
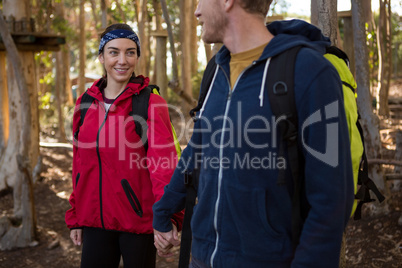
column 243, row 35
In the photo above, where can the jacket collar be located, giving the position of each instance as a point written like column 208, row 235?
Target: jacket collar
column 135, row 85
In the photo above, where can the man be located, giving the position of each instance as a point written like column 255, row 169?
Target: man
column 243, row 217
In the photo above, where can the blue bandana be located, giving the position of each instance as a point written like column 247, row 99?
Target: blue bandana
column 119, row 34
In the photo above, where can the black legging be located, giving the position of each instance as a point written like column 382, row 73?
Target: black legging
column 102, row 248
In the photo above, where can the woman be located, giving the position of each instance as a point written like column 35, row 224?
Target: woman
column 115, row 179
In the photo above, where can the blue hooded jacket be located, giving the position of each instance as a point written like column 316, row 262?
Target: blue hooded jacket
column 243, row 216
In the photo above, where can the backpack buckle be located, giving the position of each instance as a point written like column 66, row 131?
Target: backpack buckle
column 188, row 178
column 280, row 88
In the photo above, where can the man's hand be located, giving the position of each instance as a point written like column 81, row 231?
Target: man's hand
column 165, row 241
column 76, row 236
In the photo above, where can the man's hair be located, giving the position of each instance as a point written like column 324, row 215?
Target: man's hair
column 116, row 26
column 256, row 6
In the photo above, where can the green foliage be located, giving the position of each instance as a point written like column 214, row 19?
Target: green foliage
column 47, row 107
column 278, row 7
column 45, row 101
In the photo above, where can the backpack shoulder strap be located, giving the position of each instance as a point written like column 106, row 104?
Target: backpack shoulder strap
column 205, row 84
column 280, row 87
column 155, row 89
column 140, row 113
column 86, row 102
column 366, row 184
column 191, row 183
column 191, row 178
column 339, row 53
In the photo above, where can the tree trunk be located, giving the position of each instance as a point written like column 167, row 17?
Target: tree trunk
column 105, row 17
column 174, row 83
column 82, row 50
column 348, row 43
column 142, row 26
column 324, row 16
column 185, row 29
column 371, row 28
column 121, row 12
column 19, row 154
column 66, row 95
column 66, row 68
column 208, row 51
column 136, row 7
column 396, row 185
column 8, row 164
column 4, row 115
column 194, row 39
column 94, row 13
column 384, row 56
column 216, row 48
column 370, row 122
column 59, row 88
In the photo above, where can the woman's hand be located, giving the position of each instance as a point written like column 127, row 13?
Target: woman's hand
column 164, row 242
column 76, row 236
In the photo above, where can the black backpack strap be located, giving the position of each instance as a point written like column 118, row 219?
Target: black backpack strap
column 86, row 102
column 339, row 53
column 205, row 84
column 280, row 86
column 191, row 178
column 140, row 113
column 191, row 183
column 366, row 184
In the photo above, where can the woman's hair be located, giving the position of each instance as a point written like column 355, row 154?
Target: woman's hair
column 116, row 26
column 256, row 6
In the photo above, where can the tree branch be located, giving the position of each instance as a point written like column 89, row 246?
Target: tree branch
column 384, row 162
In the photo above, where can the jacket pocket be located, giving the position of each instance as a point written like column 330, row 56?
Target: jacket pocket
column 132, row 198
column 76, row 179
column 257, row 238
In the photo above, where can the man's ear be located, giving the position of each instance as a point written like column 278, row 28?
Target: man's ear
column 229, row 4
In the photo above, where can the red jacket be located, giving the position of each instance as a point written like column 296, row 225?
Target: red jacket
column 112, row 173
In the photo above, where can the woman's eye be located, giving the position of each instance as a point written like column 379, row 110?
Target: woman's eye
column 113, row 53
column 131, row 53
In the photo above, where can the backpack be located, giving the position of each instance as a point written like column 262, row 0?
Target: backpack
column 280, row 86
column 139, row 108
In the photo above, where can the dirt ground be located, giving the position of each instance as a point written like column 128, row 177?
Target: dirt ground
column 371, row 242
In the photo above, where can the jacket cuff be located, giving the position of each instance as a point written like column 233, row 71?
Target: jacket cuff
column 73, row 228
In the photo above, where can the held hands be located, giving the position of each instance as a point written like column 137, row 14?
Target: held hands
column 76, row 236
column 164, row 242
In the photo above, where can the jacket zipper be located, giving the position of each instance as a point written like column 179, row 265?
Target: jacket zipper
column 76, row 180
column 100, row 162
column 220, row 173
column 132, row 197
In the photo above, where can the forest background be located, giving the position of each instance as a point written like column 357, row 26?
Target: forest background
column 48, row 57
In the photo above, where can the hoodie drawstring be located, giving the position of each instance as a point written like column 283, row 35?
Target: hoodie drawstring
column 209, row 91
column 264, row 78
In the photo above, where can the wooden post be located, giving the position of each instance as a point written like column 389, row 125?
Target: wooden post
column 160, row 61
column 348, row 37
